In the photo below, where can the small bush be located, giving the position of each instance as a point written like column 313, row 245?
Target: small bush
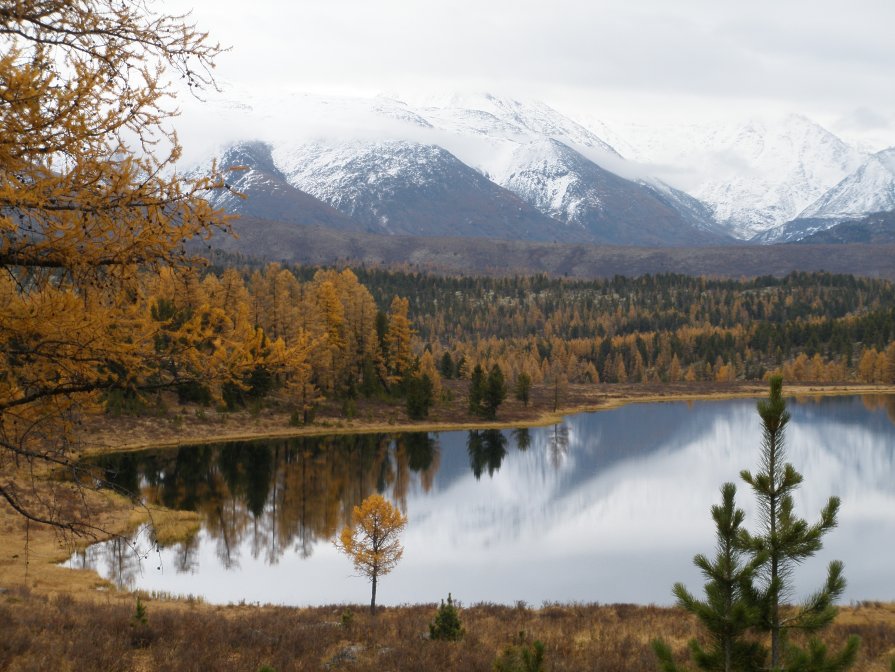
column 139, row 617
column 141, row 634
column 446, row 625
column 523, row 656
column 347, row 619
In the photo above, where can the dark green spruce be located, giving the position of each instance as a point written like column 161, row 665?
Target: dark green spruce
column 784, row 541
column 750, row 581
column 486, row 393
column 725, row 615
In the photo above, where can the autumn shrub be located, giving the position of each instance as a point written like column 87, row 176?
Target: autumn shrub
column 446, row 625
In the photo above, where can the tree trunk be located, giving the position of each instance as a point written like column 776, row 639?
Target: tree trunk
column 373, row 598
column 775, row 594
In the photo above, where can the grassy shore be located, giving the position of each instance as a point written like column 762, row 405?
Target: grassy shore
column 184, row 425
column 58, row 618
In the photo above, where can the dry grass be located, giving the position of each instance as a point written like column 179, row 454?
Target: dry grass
column 63, row 634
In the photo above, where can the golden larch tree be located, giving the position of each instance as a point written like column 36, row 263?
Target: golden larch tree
column 372, row 539
column 399, row 356
column 90, row 206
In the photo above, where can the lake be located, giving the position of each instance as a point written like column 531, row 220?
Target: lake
column 605, row 507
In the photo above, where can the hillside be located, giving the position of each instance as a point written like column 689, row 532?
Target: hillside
column 319, row 245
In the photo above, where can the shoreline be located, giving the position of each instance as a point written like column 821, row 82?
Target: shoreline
column 587, row 399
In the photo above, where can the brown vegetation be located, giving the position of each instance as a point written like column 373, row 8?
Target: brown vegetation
column 61, row 633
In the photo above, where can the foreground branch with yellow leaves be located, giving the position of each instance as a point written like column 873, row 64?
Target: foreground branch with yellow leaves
column 93, row 215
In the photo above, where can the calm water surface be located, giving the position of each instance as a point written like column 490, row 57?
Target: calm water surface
column 606, row 507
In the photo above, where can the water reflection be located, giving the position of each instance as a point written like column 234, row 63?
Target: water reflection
column 603, row 507
column 486, row 450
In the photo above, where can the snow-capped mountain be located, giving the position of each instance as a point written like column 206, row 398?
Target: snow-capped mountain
column 405, row 188
column 256, row 188
column 486, row 166
column 474, row 166
column 869, row 189
column 754, row 175
column 566, row 171
column 603, row 206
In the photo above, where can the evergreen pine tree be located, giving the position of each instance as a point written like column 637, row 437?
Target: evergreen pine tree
column 495, row 392
column 747, row 598
column 420, row 395
column 476, row 390
column 523, row 388
column 724, row 614
column 447, row 365
column 783, row 542
column 446, row 625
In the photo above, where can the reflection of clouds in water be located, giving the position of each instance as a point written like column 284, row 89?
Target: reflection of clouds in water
column 122, row 561
column 650, row 503
column 616, row 514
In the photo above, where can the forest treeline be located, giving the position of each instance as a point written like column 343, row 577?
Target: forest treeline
column 808, row 326
column 303, row 341
column 324, row 333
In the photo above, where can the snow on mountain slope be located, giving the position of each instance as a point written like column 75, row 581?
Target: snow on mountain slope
column 373, row 159
column 524, row 149
column 566, row 171
column 507, row 119
column 607, row 208
column 870, row 188
column 406, row 188
column 755, row 175
column 548, row 175
column 258, row 189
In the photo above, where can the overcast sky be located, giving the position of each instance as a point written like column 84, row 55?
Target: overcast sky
column 615, row 59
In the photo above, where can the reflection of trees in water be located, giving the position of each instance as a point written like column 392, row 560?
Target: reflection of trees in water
column 886, row 402
column 186, row 550
column 486, row 449
column 558, row 445
column 119, row 559
column 522, row 437
column 276, row 495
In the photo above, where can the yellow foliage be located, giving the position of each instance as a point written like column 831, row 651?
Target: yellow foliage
column 372, row 540
column 399, row 356
column 85, row 219
column 428, row 368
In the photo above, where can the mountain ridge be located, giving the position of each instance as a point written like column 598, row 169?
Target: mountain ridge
column 769, row 174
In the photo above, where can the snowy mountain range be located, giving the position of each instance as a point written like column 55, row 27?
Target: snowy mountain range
column 484, row 166
column 869, row 189
column 754, row 175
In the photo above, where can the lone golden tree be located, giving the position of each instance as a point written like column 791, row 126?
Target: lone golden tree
column 371, row 541
column 90, row 206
